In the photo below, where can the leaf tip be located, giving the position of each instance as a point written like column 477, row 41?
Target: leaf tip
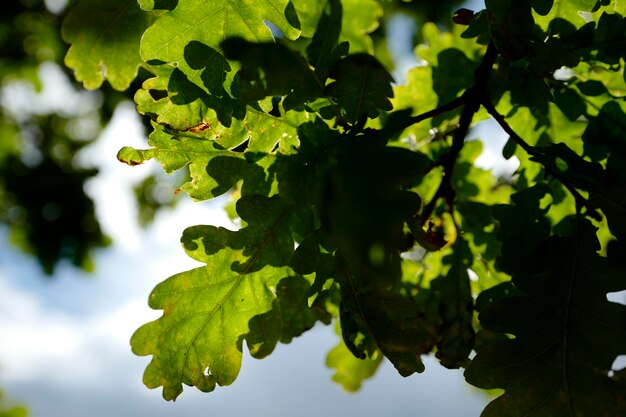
column 133, row 157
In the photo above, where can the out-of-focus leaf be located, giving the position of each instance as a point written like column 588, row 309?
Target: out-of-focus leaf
column 542, row 7
column 582, row 174
column 511, row 24
column 351, row 372
column 522, row 221
column 437, row 82
column 157, row 4
column 360, row 18
column 573, row 11
column 104, row 37
column 44, row 201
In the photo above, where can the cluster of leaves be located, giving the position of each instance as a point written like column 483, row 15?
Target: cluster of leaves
column 360, row 201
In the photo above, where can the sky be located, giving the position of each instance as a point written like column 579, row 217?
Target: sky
column 64, row 342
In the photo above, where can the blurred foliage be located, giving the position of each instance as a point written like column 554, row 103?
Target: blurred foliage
column 9, row 409
column 42, row 185
column 44, row 202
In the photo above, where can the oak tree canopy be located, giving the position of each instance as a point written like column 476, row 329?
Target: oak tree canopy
column 359, row 198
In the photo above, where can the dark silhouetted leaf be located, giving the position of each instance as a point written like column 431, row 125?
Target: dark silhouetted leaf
column 362, row 86
column 566, row 334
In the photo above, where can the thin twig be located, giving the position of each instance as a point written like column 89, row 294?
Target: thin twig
column 457, row 102
column 491, row 109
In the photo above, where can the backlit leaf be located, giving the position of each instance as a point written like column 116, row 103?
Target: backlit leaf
column 206, row 311
column 351, row 372
column 104, row 37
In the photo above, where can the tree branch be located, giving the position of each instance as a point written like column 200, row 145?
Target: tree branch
column 581, row 201
column 471, row 100
column 457, row 102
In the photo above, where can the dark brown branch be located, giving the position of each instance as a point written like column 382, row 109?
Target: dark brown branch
column 396, row 129
column 457, row 102
column 581, row 201
column 471, row 100
column 491, row 109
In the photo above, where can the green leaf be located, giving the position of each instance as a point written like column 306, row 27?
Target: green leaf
column 569, row 10
column 362, row 87
column 604, row 138
column 289, row 317
column 542, row 7
column 523, row 221
column 455, row 304
column 579, row 172
column 104, row 37
column 385, row 320
column 207, row 311
column 193, row 79
column 570, row 103
column 157, row 4
column 271, row 69
column 351, row 372
column 175, row 151
column 566, row 334
column 322, row 52
column 166, row 39
column 359, row 19
column 172, row 99
column 132, row 156
column 511, row 24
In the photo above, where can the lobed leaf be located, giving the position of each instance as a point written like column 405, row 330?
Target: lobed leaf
column 359, row 19
column 271, row 69
column 104, row 37
column 207, row 311
column 362, row 87
column 323, row 50
column 351, row 372
column 565, row 334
